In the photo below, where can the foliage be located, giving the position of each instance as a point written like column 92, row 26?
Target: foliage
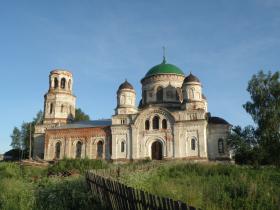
column 15, row 154
column 211, row 186
column 29, row 187
column 244, row 144
column 21, row 137
column 80, row 115
column 16, row 139
column 264, row 108
column 206, row 186
column 260, row 145
column 265, row 105
column 73, row 193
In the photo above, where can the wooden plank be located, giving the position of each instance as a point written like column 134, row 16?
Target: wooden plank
column 176, row 205
column 160, row 206
column 164, row 203
column 183, row 206
column 131, row 198
column 170, row 206
column 117, row 196
column 143, row 201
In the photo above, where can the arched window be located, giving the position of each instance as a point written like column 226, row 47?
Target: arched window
column 191, row 93
column 159, row 94
column 100, row 150
column 55, row 82
column 79, row 149
column 57, row 150
column 62, row 83
column 156, row 122
column 193, row 142
column 51, row 108
column 69, row 84
column 62, row 108
column 123, row 121
column 147, row 125
column 221, row 148
column 164, row 124
column 122, row 146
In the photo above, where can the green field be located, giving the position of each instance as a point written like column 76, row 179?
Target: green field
column 30, row 188
column 211, row 186
column 207, row 186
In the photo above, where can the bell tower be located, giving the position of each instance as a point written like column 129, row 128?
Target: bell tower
column 126, row 98
column 60, row 103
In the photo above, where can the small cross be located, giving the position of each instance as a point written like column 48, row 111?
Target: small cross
column 164, row 60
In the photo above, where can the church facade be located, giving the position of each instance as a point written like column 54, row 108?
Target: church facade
column 171, row 122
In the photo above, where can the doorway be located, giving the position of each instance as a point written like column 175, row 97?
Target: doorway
column 157, row 150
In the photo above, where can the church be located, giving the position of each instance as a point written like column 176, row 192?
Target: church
column 171, row 121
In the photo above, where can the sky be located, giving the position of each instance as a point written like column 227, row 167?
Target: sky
column 105, row 42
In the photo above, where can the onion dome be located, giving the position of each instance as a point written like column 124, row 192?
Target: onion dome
column 126, row 85
column 191, row 78
column 164, row 68
column 217, row 120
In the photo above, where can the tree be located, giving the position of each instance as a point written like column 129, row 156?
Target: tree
column 244, row 144
column 16, row 139
column 81, row 116
column 39, row 118
column 264, row 108
column 21, row 137
column 25, row 134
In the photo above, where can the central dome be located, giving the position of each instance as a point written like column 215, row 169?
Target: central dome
column 164, row 68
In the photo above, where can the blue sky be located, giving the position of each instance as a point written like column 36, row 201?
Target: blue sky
column 103, row 42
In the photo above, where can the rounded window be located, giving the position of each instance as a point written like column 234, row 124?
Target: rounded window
column 156, row 122
column 193, row 143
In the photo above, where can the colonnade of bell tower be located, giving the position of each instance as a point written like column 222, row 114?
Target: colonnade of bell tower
column 60, row 103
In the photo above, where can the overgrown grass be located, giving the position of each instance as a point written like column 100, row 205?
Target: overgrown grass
column 76, row 166
column 212, row 186
column 206, row 186
column 27, row 188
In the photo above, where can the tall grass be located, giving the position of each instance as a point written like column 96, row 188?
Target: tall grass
column 203, row 186
column 212, row 186
column 76, row 165
column 27, row 188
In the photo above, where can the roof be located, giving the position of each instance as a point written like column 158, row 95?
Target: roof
column 126, row 85
column 164, row 68
column 85, row 124
column 191, row 78
column 217, row 120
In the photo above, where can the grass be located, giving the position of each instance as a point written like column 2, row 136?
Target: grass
column 212, row 186
column 27, row 188
column 205, row 186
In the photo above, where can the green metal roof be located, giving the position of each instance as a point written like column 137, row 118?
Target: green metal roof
column 164, row 68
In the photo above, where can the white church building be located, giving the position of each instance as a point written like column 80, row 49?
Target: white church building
column 171, row 122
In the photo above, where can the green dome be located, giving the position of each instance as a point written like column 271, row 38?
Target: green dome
column 164, row 68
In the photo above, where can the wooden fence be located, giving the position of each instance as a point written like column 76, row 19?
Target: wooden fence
column 117, row 196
